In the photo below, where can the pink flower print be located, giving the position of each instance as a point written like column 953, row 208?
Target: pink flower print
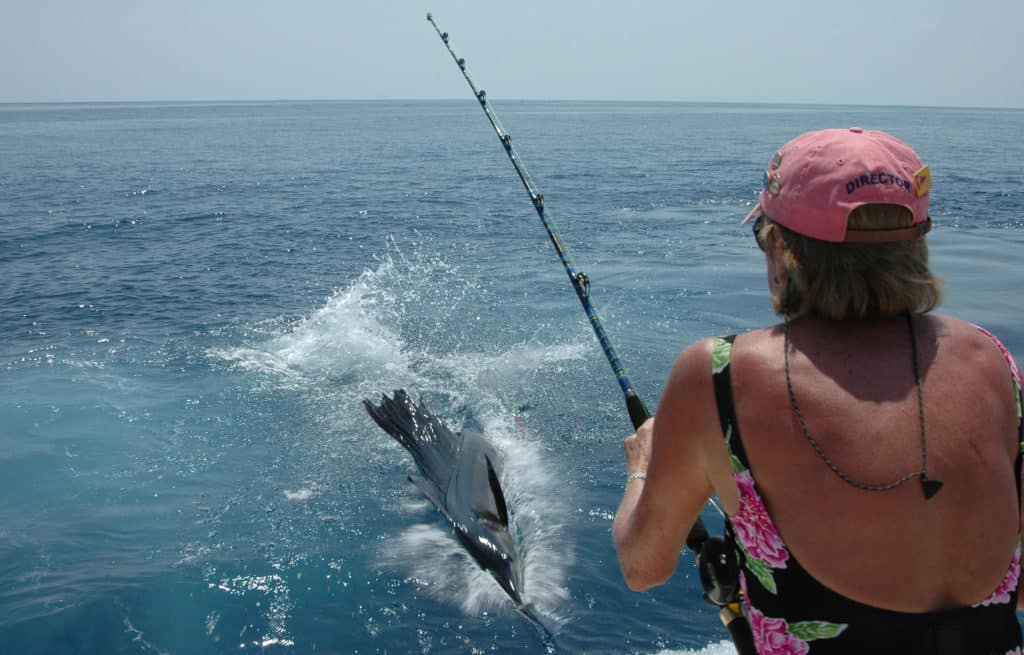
column 1007, row 586
column 754, row 528
column 1015, row 651
column 771, row 636
column 776, row 636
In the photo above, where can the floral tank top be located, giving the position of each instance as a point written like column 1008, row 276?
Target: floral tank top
column 791, row 613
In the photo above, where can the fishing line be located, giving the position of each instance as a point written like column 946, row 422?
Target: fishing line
column 580, row 282
column 718, row 572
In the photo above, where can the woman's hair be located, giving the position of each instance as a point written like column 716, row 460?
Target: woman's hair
column 841, row 281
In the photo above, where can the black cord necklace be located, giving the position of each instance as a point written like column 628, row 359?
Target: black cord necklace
column 929, row 486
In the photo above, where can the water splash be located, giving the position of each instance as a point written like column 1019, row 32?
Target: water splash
column 271, row 590
column 371, row 337
column 348, row 340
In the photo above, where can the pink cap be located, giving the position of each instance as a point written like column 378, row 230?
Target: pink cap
column 815, row 181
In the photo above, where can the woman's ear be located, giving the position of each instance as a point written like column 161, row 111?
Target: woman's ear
column 776, row 245
column 777, row 268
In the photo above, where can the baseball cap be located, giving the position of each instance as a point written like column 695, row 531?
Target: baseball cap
column 814, row 181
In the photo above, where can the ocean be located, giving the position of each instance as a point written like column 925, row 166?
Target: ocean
column 196, row 298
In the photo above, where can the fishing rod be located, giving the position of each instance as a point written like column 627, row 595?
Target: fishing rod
column 580, row 282
column 716, row 560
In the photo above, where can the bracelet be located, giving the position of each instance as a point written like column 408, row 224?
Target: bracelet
column 639, row 475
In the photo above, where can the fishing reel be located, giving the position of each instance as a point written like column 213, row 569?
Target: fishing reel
column 720, row 576
column 719, row 572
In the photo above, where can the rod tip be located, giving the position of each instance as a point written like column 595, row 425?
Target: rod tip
column 429, row 16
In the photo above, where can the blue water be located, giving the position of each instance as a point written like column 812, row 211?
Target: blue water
column 196, row 297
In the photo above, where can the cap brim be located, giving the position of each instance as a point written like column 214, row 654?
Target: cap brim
column 754, row 213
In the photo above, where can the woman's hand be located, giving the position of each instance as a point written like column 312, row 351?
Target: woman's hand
column 637, row 448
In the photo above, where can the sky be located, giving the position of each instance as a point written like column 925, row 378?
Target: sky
column 890, row 52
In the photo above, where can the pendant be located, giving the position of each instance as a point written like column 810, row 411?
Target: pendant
column 929, row 486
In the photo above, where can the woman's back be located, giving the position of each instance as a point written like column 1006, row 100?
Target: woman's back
column 867, row 453
column 855, row 386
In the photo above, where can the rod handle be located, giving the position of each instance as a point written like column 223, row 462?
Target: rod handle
column 739, row 629
column 637, row 410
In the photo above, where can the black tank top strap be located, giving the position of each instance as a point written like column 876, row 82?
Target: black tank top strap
column 722, row 378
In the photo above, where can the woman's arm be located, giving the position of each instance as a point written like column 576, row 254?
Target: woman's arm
column 656, row 514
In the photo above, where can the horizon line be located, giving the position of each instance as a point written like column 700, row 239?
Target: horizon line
column 223, row 101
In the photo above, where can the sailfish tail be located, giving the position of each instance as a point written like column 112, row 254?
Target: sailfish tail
column 432, row 445
column 396, row 416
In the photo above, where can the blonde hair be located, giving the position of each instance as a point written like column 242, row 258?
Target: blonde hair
column 840, row 281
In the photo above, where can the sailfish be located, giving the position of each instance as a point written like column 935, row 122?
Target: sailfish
column 461, row 476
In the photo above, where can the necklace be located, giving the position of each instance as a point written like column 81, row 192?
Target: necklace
column 929, row 486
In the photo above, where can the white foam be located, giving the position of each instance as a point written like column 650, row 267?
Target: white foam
column 494, row 372
column 273, row 592
column 259, row 361
column 349, row 338
column 721, row 648
column 345, row 333
column 298, row 496
column 546, row 549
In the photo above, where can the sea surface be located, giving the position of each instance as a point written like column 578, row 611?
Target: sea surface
column 195, row 298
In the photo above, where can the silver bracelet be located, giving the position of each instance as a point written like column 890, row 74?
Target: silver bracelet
column 639, row 475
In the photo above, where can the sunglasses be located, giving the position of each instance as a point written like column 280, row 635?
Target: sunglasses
column 758, row 223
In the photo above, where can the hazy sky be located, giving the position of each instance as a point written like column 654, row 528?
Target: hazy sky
column 903, row 52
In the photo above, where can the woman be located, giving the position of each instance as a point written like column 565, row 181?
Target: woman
column 865, row 451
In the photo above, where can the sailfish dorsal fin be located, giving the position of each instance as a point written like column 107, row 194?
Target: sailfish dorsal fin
column 496, row 493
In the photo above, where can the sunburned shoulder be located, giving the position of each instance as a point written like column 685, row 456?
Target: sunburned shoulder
column 691, row 372
column 694, row 364
column 694, row 360
column 970, row 341
column 948, row 326
column 758, row 349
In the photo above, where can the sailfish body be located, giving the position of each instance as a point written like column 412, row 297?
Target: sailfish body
column 461, row 475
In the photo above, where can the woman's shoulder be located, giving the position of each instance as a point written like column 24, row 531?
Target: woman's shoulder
column 706, row 355
column 759, row 348
column 971, row 339
column 692, row 372
column 694, row 362
column 974, row 370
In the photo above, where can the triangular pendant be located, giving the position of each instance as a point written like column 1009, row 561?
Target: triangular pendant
column 930, row 487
